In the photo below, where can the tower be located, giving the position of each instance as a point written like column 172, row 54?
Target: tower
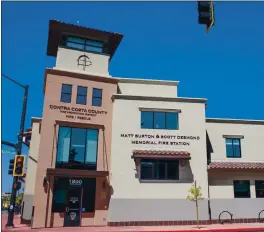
column 76, row 128
column 81, row 49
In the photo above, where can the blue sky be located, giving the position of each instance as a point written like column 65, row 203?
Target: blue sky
column 162, row 40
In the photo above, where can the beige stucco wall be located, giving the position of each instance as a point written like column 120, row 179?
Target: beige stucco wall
column 142, row 88
column 222, row 195
column 29, row 188
column 32, row 157
column 127, row 120
column 221, row 183
column 67, row 60
column 252, row 145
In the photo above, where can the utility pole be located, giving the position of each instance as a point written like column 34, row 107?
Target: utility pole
column 18, row 148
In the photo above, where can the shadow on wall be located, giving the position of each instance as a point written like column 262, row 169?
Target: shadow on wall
column 118, row 90
column 111, row 190
column 209, row 148
column 219, row 182
column 186, row 172
column 105, row 159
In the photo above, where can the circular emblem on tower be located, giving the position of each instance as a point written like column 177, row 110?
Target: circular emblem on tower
column 84, row 61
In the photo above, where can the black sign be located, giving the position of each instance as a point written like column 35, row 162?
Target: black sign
column 78, row 113
column 160, row 139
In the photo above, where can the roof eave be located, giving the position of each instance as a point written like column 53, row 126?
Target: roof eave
column 57, row 28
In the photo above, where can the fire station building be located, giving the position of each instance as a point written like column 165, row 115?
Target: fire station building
column 120, row 151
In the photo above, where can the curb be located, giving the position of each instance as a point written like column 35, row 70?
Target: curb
column 250, row 229
column 259, row 229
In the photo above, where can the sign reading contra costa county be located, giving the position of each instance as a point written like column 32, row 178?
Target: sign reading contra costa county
column 160, row 139
column 78, row 113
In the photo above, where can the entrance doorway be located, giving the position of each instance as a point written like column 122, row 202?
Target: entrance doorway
column 72, row 215
column 73, row 197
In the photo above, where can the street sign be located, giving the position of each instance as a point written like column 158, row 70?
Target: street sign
column 11, row 208
column 8, row 152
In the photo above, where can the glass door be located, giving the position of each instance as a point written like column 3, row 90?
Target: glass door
column 72, row 216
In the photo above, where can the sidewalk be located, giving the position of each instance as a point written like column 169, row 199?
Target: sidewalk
column 208, row 228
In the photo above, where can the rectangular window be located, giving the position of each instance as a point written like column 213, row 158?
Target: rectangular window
column 66, row 93
column 77, row 148
column 94, row 46
column 84, row 44
column 159, row 169
column 81, row 95
column 97, row 97
column 64, row 142
column 241, row 188
column 91, row 148
column 233, row 148
column 159, row 120
column 259, row 184
column 59, row 194
column 147, row 120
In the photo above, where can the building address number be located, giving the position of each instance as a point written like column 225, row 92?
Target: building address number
column 75, row 182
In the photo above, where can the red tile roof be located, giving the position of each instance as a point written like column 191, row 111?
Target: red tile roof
column 237, row 165
column 160, row 154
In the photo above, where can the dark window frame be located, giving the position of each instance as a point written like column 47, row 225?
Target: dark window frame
column 156, row 166
column 237, row 182
column 68, row 165
column 85, row 44
column 65, row 93
column 233, row 148
column 93, row 97
column 81, row 95
column 153, row 120
column 256, row 183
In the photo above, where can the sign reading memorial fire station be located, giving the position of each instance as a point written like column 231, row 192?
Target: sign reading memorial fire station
column 160, row 139
column 77, row 113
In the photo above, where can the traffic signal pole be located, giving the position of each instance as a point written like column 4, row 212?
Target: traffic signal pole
column 19, row 150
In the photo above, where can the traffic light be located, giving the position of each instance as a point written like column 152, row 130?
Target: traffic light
column 17, row 185
column 206, row 14
column 19, row 165
column 11, row 167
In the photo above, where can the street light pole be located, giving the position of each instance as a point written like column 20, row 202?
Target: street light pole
column 18, row 147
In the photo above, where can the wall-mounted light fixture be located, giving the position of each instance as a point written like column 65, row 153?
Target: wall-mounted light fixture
column 44, row 181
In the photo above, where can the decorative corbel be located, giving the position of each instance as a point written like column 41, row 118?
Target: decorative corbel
column 183, row 162
column 137, row 162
